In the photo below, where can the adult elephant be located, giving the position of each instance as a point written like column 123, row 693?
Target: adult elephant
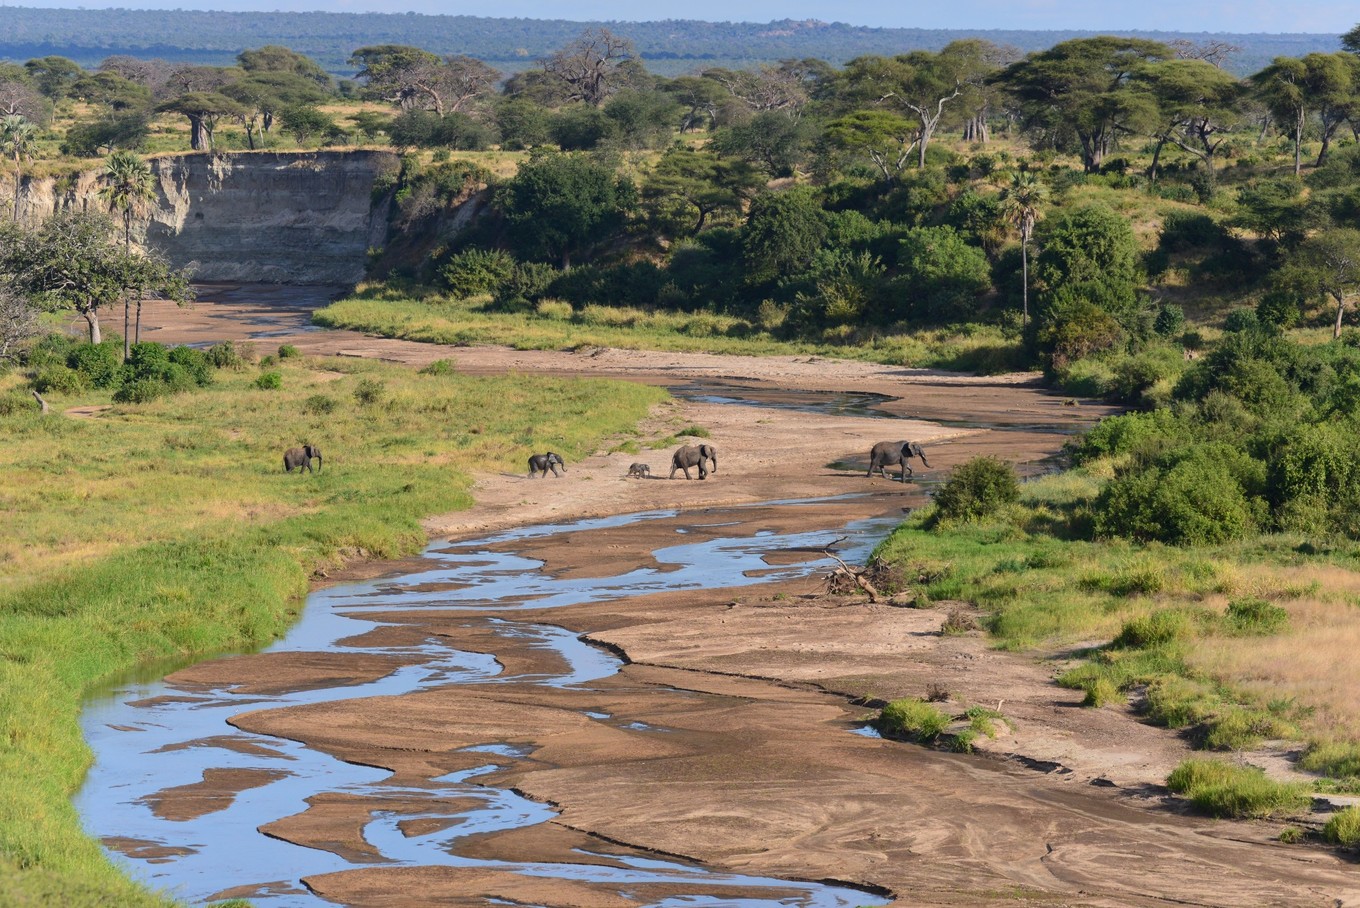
column 302, row 459
column 694, row 456
column 888, row 453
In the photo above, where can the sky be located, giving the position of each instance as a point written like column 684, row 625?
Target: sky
column 1322, row 16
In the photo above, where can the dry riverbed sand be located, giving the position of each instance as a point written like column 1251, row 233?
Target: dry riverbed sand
column 758, row 689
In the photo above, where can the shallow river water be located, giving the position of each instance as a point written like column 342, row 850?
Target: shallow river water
column 152, row 737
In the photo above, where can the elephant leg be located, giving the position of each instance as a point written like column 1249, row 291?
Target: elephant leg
column 703, row 474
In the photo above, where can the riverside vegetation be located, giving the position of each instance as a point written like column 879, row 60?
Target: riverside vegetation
column 166, row 530
column 1157, row 237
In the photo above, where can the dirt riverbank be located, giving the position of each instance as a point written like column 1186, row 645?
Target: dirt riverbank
column 731, row 733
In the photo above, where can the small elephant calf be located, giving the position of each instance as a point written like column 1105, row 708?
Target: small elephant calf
column 544, row 462
column 302, row 459
column 640, row 470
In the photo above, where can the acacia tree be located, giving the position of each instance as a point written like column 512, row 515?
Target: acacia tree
column 1021, row 204
column 129, row 189
column 688, row 181
column 1085, row 85
column 1331, row 263
column 921, row 85
column 1198, row 106
column 887, row 138
column 1283, row 86
column 417, row 79
column 74, row 261
column 18, row 138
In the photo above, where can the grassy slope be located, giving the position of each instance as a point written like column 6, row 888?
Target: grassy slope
column 169, row 530
column 451, row 321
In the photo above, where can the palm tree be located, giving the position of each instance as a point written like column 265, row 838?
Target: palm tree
column 129, row 189
column 1020, row 204
column 18, row 137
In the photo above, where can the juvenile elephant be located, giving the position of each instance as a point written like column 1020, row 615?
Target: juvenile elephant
column 887, row 453
column 302, row 459
column 640, row 470
column 542, row 463
column 694, row 455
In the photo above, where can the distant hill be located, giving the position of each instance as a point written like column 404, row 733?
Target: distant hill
column 670, row 47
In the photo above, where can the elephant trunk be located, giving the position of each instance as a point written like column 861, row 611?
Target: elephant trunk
column 318, row 462
column 922, row 455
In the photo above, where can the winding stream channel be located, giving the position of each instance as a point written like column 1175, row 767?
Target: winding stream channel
column 165, row 752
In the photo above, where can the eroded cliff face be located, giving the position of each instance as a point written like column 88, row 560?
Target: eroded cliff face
column 274, row 217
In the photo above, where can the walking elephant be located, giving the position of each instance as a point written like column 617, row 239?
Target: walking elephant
column 640, row 470
column 302, row 459
column 888, row 453
column 542, row 463
column 694, row 455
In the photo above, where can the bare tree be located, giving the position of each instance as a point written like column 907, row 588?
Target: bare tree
column 17, row 99
column 589, row 66
column 1211, row 51
column 18, row 322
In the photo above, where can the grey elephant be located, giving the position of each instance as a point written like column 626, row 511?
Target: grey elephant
column 302, row 459
column 640, row 470
column 542, row 463
column 694, row 455
column 887, row 453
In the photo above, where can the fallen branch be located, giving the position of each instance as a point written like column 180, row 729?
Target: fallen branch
column 845, row 572
column 41, row 403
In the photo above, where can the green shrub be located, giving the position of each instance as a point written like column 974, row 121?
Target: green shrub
column 1244, row 319
column 1178, row 702
column 56, row 378
column 976, row 489
column 266, row 362
column 1100, row 690
column 913, row 719
column 319, row 405
column 1291, row 835
column 14, row 403
column 288, row 351
column 1227, row 790
column 1158, row 628
column 225, row 356
column 140, row 391
column 439, row 367
column 1255, row 617
column 1191, row 496
column 51, row 349
column 269, row 381
column 559, row 310
column 1170, row 320
column 476, row 271
column 369, row 391
column 99, row 363
column 1344, row 827
column 194, row 362
column 695, row 431
column 1242, row 729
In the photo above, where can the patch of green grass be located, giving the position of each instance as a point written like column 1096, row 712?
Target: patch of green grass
column 1339, row 759
column 695, row 431
column 1344, row 827
column 1290, row 835
column 167, row 531
column 1228, row 790
column 912, row 719
column 393, row 312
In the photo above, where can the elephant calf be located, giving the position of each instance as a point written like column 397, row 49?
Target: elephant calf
column 694, row 455
column 640, row 470
column 887, row 453
column 302, row 459
column 545, row 462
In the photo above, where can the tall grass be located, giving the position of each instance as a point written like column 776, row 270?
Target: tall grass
column 169, row 530
column 555, row 325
